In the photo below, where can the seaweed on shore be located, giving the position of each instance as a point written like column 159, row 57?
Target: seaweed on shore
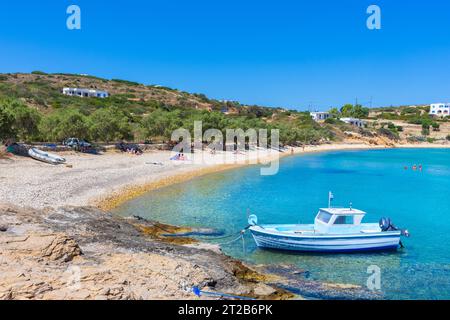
column 160, row 231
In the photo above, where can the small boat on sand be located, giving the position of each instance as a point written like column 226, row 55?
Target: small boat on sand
column 45, row 157
column 334, row 230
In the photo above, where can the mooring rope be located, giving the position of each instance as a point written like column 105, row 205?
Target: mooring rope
column 232, row 241
column 240, row 235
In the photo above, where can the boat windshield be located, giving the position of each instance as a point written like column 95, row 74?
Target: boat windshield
column 324, row 217
column 344, row 220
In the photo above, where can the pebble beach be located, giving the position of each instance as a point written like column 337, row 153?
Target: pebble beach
column 109, row 179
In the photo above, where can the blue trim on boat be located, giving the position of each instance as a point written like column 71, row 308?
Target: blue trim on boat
column 384, row 248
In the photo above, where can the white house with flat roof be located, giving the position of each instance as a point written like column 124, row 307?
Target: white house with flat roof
column 440, row 109
column 320, row 116
column 78, row 92
column 354, row 122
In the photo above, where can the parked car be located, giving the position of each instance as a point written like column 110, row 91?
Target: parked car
column 76, row 143
column 80, row 145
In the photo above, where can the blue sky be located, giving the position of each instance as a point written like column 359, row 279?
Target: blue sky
column 290, row 53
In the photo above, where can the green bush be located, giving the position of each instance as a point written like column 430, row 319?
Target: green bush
column 410, row 110
column 6, row 122
column 26, row 121
column 332, row 121
column 422, row 121
column 110, row 124
column 41, row 73
column 126, row 82
column 393, row 135
column 356, row 111
column 17, row 120
column 425, row 129
column 414, row 139
column 161, row 124
column 392, row 126
column 63, row 124
column 436, row 126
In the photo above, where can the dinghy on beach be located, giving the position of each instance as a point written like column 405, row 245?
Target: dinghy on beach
column 45, row 157
column 334, row 230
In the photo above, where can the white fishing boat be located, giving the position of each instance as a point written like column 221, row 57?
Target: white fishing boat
column 334, row 230
column 45, row 157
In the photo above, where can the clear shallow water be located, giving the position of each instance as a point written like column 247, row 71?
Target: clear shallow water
column 373, row 181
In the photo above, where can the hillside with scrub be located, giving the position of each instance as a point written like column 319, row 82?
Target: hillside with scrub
column 33, row 109
column 411, row 123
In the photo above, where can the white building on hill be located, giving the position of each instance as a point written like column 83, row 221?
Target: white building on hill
column 354, row 122
column 85, row 92
column 320, row 116
column 440, row 109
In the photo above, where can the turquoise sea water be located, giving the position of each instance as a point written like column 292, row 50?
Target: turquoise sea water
column 374, row 181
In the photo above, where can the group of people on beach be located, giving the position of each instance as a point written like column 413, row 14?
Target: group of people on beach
column 415, row 167
column 129, row 148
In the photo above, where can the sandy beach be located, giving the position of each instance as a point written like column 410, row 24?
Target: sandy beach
column 109, row 179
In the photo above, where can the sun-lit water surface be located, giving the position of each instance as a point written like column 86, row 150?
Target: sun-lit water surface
column 374, row 181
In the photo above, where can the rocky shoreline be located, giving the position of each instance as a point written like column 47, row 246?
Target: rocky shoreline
column 85, row 253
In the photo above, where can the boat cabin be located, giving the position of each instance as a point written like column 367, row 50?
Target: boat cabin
column 338, row 220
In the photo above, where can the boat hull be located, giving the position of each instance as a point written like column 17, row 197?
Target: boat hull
column 326, row 243
column 45, row 157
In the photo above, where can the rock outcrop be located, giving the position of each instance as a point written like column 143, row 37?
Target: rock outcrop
column 51, row 246
column 84, row 253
